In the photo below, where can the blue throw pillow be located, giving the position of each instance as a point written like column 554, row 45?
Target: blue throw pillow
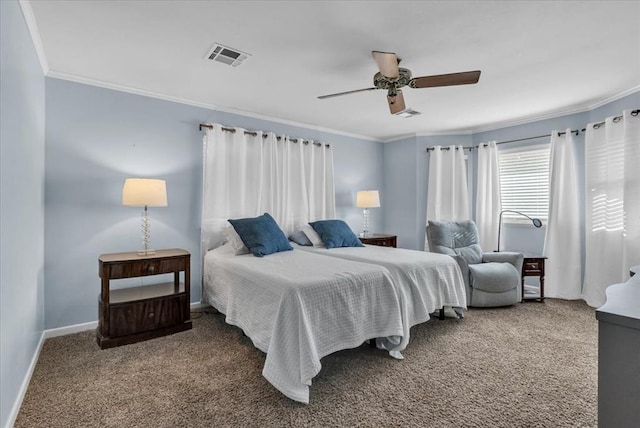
column 336, row 233
column 261, row 235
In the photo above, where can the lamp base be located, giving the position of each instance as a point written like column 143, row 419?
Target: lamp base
column 365, row 223
column 146, row 234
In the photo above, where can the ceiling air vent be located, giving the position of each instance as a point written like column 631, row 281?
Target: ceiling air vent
column 227, row 55
column 408, row 113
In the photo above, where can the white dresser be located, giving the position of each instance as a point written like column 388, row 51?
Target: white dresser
column 619, row 356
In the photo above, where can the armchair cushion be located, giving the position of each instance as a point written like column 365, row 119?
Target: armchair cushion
column 494, row 277
column 455, row 237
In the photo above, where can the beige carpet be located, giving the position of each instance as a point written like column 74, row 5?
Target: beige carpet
column 532, row 365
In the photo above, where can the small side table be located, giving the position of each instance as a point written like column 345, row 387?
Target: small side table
column 533, row 265
column 380, row 239
column 129, row 315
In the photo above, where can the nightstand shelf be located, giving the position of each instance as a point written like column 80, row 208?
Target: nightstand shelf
column 129, row 315
column 533, row 265
column 380, row 239
column 144, row 292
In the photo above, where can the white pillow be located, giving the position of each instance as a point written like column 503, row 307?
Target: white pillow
column 232, row 237
column 312, row 235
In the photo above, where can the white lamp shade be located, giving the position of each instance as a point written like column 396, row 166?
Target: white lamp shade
column 368, row 199
column 140, row 192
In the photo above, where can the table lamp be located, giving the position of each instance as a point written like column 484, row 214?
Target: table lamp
column 144, row 192
column 367, row 199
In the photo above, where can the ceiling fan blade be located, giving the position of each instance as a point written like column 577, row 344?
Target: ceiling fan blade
column 387, row 63
column 452, row 79
column 322, row 97
column 396, row 103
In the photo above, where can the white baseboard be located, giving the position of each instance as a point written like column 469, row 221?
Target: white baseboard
column 25, row 384
column 70, row 329
column 46, row 334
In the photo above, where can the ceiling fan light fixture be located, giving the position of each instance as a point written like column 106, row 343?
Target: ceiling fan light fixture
column 406, row 113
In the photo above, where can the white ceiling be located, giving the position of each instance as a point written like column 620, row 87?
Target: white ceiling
column 538, row 58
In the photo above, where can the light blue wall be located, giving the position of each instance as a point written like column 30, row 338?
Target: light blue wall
column 398, row 199
column 95, row 138
column 21, row 205
column 406, row 172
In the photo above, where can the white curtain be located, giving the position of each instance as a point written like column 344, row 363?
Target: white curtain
column 448, row 196
column 562, row 244
column 612, row 199
column 246, row 174
column 488, row 202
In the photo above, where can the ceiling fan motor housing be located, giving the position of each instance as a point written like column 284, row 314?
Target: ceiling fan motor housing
column 384, row 82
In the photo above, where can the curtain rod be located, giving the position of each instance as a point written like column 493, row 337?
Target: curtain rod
column 529, row 138
column 577, row 131
column 506, row 142
column 615, row 120
column 595, row 125
column 255, row 134
column 429, row 149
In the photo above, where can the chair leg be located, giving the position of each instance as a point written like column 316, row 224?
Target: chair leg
column 441, row 317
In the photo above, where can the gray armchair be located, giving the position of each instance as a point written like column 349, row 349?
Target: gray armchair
column 492, row 279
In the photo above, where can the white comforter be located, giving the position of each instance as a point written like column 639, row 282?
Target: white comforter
column 298, row 307
column 427, row 281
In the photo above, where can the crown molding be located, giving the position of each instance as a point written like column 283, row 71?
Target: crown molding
column 151, row 94
column 607, row 100
column 556, row 113
column 30, row 19
column 400, row 137
column 440, row 133
column 128, row 89
column 494, row 126
column 523, row 120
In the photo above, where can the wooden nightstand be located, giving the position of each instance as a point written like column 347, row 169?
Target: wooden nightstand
column 129, row 315
column 533, row 265
column 380, row 239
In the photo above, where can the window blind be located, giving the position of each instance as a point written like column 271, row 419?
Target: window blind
column 524, row 182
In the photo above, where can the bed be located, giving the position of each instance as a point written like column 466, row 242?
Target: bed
column 426, row 281
column 298, row 307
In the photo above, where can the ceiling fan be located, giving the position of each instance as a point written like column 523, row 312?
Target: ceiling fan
column 392, row 78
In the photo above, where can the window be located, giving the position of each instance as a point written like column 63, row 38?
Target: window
column 524, row 182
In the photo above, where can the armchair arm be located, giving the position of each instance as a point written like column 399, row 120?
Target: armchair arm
column 516, row 259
